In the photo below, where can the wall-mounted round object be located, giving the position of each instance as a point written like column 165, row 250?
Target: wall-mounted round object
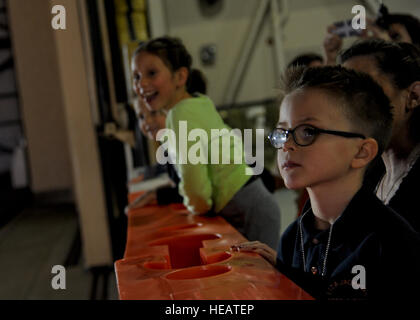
column 210, row 8
column 208, row 54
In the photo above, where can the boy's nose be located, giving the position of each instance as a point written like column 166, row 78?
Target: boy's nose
column 289, row 144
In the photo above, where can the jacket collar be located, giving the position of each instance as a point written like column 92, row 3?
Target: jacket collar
column 354, row 221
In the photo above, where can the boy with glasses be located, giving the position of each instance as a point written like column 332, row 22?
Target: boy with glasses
column 346, row 244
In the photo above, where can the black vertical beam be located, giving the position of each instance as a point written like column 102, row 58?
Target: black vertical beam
column 130, row 20
column 101, row 77
column 116, row 56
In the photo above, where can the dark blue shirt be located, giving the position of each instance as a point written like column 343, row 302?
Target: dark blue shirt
column 367, row 234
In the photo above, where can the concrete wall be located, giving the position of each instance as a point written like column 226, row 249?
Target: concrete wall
column 303, row 31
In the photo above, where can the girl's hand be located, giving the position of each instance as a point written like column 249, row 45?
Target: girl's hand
column 257, row 247
column 143, row 200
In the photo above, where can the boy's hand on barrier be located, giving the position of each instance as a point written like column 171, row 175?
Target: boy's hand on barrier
column 257, row 247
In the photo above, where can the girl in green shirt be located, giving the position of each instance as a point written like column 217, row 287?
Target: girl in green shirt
column 162, row 78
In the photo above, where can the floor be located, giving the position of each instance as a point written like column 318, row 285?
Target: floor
column 38, row 238
column 42, row 236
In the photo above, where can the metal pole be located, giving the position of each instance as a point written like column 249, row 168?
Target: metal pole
column 157, row 18
column 277, row 36
column 236, row 79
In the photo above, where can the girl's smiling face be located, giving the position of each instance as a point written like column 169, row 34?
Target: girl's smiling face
column 329, row 158
column 155, row 83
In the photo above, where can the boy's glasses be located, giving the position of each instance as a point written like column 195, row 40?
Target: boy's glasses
column 304, row 135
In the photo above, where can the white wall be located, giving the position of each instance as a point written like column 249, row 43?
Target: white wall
column 304, row 31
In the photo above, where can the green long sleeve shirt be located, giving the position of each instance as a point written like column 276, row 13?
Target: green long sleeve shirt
column 205, row 161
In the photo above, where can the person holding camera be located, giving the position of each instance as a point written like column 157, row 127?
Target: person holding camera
column 389, row 27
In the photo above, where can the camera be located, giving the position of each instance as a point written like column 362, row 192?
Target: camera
column 345, row 29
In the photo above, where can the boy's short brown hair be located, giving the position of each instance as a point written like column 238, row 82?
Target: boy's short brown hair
column 362, row 100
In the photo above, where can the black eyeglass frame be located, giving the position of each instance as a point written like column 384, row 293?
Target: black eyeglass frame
column 317, row 131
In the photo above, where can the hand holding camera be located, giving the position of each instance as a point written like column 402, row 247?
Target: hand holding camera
column 375, row 28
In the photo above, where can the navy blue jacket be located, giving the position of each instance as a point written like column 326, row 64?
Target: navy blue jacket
column 369, row 234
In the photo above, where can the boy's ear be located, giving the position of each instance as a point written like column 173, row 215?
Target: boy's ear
column 181, row 77
column 413, row 96
column 367, row 152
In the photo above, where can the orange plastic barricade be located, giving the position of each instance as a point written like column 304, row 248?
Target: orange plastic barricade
column 171, row 254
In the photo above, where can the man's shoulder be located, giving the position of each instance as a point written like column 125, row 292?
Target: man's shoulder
column 387, row 223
